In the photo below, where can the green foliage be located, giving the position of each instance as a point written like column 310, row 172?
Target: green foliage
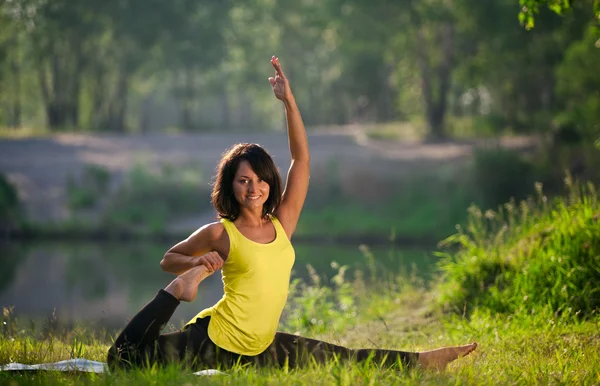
column 90, row 188
column 141, row 201
column 127, row 67
column 315, row 308
column 147, row 199
column 8, row 322
column 530, row 8
column 578, row 85
column 526, row 258
column 427, row 206
column 499, row 174
column 9, row 200
column 423, row 206
column 528, row 349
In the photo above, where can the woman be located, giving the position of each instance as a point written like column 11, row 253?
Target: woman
column 251, row 243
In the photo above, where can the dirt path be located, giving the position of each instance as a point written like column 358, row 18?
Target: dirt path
column 40, row 167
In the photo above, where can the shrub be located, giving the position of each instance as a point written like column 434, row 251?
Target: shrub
column 89, row 189
column 149, row 198
column 318, row 308
column 537, row 255
column 500, row 174
column 9, row 200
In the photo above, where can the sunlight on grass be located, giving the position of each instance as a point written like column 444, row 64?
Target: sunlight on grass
column 533, row 341
column 510, row 351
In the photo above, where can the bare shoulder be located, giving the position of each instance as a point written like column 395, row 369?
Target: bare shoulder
column 205, row 239
column 212, row 231
column 216, row 236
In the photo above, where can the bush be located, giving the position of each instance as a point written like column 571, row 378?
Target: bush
column 578, row 82
column 150, row 198
column 89, row 189
column 318, row 308
column 9, row 200
column 500, row 174
column 537, row 255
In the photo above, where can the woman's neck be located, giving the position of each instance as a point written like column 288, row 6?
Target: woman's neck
column 251, row 218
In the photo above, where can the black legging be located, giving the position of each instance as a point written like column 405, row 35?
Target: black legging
column 141, row 343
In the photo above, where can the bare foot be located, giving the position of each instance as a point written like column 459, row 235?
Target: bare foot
column 185, row 286
column 438, row 359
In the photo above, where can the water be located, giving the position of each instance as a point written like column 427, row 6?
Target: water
column 104, row 284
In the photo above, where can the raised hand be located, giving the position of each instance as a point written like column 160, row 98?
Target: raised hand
column 279, row 83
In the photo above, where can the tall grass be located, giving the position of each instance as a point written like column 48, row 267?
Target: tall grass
column 537, row 255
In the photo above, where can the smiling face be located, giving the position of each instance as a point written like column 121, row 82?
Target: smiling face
column 246, row 178
column 249, row 189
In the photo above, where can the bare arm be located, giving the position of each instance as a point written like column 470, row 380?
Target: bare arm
column 296, row 185
column 201, row 248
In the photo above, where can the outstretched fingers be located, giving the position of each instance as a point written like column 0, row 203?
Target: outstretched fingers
column 275, row 63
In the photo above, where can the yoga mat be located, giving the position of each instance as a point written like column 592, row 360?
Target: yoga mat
column 79, row 364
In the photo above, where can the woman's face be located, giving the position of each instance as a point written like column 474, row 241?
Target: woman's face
column 249, row 190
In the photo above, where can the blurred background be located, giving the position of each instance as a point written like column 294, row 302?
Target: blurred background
column 114, row 113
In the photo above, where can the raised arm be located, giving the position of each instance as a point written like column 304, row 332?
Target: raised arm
column 296, row 185
column 203, row 247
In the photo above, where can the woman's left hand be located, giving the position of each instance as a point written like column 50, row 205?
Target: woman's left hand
column 280, row 84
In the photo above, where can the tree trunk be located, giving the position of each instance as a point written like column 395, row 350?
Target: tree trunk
column 118, row 107
column 436, row 99
column 14, row 119
column 60, row 82
column 385, row 105
column 99, row 112
column 187, row 99
column 145, row 110
column 74, row 84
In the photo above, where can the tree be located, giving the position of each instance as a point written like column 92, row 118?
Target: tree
column 578, row 84
column 386, row 38
column 530, row 8
column 11, row 67
column 192, row 47
column 514, row 67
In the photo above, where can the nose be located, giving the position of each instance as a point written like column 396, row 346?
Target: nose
column 251, row 186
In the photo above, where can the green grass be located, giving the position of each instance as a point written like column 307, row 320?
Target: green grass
column 539, row 254
column 512, row 350
column 534, row 340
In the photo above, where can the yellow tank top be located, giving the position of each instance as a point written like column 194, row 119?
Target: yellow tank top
column 256, row 280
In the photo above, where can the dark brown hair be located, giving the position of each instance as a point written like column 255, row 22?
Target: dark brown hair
column 261, row 163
